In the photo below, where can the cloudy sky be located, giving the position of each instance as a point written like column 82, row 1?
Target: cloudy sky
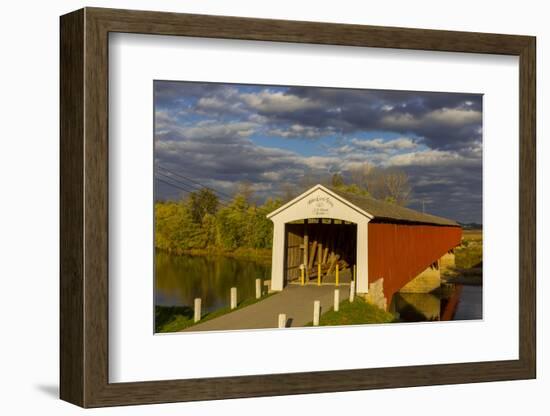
column 219, row 135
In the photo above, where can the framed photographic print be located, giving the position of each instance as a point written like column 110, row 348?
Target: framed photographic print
column 256, row 207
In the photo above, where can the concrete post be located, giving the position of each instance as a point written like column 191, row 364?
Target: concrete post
column 282, row 320
column 316, row 312
column 336, row 300
column 352, row 291
column 197, row 311
column 258, row 288
column 233, row 297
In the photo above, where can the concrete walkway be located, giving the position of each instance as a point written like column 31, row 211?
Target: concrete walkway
column 295, row 301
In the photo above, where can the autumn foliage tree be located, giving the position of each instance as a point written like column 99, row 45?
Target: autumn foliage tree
column 201, row 222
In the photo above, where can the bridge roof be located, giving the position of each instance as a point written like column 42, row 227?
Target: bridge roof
column 375, row 209
column 385, row 211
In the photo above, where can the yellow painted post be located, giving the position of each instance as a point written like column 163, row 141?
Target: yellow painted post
column 337, row 274
column 318, row 274
column 302, row 274
column 354, row 272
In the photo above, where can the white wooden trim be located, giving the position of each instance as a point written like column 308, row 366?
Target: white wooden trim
column 309, row 192
column 319, row 202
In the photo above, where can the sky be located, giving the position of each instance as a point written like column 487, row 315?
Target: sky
column 219, row 135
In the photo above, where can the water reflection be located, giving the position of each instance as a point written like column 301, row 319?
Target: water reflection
column 470, row 304
column 452, row 302
column 180, row 279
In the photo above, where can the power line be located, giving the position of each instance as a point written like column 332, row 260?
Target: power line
column 187, row 186
column 224, row 205
column 189, row 189
column 197, row 186
column 194, row 187
column 174, row 185
column 194, row 181
column 183, row 189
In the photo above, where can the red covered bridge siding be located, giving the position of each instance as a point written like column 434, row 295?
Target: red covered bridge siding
column 393, row 248
column 400, row 252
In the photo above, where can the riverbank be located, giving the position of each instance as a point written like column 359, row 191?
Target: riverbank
column 468, row 268
column 470, row 252
column 258, row 255
column 178, row 318
column 358, row 312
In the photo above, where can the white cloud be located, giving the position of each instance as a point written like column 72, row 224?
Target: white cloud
column 401, row 143
column 430, row 181
column 272, row 176
column 211, row 129
column 277, row 102
column 320, row 162
column 452, row 117
column 300, row 131
column 425, row 157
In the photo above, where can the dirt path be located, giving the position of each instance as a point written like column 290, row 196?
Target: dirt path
column 295, row 300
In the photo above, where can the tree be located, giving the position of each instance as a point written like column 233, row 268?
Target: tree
column 245, row 191
column 288, row 191
column 360, row 174
column 261, row 235
column 337, row 180
column 387, row 184
column 202, row 202
column 398, row 188
column 232, row 223
column 174, row 228
column 338, row 183
column 308, row 180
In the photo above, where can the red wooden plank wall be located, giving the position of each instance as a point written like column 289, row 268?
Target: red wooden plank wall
column 399, row 252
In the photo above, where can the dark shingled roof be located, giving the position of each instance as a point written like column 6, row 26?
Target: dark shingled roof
column 384, row 211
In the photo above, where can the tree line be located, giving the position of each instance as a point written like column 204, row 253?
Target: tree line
column 200, row 221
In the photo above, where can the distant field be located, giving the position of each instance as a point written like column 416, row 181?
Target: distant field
column 472, row 234
column 470, row 253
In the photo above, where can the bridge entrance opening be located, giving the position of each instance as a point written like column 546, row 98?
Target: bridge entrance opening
column 324, row 248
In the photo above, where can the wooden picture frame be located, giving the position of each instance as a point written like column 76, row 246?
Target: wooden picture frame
column 84, row 207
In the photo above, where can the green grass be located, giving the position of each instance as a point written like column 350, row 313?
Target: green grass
column 169, row 318
column 356, row 313
column 178, row 318
column 470, row 252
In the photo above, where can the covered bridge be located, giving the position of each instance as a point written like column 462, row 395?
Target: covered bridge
column 384, row 246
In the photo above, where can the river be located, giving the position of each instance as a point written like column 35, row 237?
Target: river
column 181, row 279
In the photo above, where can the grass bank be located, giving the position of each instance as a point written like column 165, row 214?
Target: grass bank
column 178, row 318
column 470, row 252
column 357, row 312
column 258, row 255
column 468, row 260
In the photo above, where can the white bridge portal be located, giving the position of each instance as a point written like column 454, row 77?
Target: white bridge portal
column 320, row 203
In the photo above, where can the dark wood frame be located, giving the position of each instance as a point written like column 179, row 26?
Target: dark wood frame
column 84, row 208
